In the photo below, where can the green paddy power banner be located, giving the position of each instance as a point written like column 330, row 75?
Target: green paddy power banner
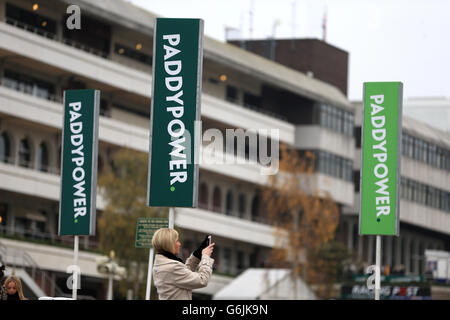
column 381, row 155
column 77, row 209
column 176, row 93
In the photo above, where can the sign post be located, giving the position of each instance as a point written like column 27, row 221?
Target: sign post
column 145, row 229
column 175, row 107
column 380, row 164
column 79, row 149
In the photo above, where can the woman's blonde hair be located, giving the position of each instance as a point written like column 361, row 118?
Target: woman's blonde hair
column 18, row 283
column 164, row 240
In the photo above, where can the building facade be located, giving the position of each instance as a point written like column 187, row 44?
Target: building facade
column 112, row 52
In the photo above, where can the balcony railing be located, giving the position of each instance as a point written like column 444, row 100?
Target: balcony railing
column 49, row 97
column 46, row 238
column 27, row 27
column 52, row 36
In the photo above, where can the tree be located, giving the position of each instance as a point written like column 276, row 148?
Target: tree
column 123, row 186
column 305, row 220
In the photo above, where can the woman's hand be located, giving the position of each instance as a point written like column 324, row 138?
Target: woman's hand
column 209, row 249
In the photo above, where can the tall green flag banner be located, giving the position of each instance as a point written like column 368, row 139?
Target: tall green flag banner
column 175, row 107
column 381, row 155
column 77, row 208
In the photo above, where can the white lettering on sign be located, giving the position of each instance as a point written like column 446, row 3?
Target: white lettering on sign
column 176, row 127
column 78, row 174
column 380, row 153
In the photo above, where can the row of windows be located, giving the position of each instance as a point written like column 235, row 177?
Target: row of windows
column 94, row 37
column 133, row 54
column 335, row 119
column 424, row 194
column 27, row 84
column 333, row 165
column 42, row 89
column 250, row 101
column 239, row 211
column 429, row 153
column 24, row 153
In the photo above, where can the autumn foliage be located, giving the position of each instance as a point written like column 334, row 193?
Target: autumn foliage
column 305, row 221
column 123, row 186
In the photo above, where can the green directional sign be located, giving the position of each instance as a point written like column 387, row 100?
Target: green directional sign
column 175, row 106
column 145, row 229
column 77, row 208
column 381, row 155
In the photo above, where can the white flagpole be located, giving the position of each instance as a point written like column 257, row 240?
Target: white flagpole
column 75, row 273
column 377, row 269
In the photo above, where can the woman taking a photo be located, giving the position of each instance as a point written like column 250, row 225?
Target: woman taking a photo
column 174, row 280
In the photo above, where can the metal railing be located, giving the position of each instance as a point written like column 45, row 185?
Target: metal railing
column 53, row 36
column 85, row 48
column 49, row 97
column 46, row 238
column 20, row 258
column 27, row 27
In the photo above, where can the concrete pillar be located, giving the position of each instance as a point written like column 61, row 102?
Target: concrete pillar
column 350, row 225
column 416, row 256
column 398, row 251
column 407, row 251
column 248, row 205
column 210, row 195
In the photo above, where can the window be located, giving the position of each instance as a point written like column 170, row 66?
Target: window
column 217, row 200
column 42, row 157
column 255, row 208
column 229, row 203
column 251, row 101
column 231, row 94
column 356, row 181
column 242, row 205
column 5, row 148
column 227, row 260
column 24, row 153
column 240, row 261
column 94, row 37
column 30, row 21
column 29, row 85
column 3, row 216
column 133, row 54
column 203, row 203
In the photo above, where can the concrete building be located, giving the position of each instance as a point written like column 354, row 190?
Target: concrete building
column 40, row 58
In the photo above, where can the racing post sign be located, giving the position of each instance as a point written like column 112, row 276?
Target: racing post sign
column 77, row 209
column 175, row 106
column 381, row 155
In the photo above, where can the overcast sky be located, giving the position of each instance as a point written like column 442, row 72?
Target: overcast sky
column 387, row 40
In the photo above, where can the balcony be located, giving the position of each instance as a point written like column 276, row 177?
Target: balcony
column 413, row 213
column 60, row 56
column 317, row 137
column 225, row 226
